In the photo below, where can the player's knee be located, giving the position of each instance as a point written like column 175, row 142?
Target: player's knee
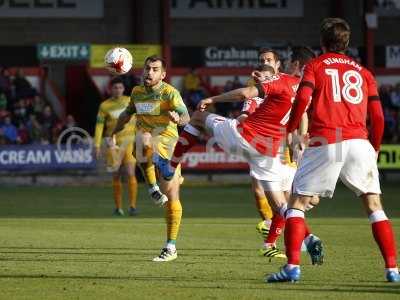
column 372, row 202
column 300, row 202
column 258, row 192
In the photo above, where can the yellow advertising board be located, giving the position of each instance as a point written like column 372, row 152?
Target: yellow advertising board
column 389, row 157
column 139, row 53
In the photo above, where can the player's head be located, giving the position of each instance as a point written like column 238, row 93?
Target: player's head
column 335, row 35
column 299, row 58
column 266, row 70
column 154, row 70
column 270, row 57
column 117, row 87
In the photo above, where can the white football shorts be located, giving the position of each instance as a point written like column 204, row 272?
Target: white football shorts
column 273, row 175
column 353, row 161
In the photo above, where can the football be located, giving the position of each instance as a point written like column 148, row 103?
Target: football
column 118, row 61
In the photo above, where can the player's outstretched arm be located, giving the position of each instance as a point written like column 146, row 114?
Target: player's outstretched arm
column 237, row 95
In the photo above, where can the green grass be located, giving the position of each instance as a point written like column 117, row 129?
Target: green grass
column 61, row 243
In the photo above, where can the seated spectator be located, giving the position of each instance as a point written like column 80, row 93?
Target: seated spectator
column 3, row 101
column 191, row 82
column 395, row 97
column 23, row 88
column 37, row 105
column 48, row 120
column 34, row 128
column 207, row 88
column 236, row 84
column 9, row 130
column 224, row 108
column 23, row 134
column 5, row 82
column 20, row 112
column 67, row 129
column 384, row 93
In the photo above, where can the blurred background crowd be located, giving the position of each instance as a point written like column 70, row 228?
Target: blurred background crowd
column 27, row 118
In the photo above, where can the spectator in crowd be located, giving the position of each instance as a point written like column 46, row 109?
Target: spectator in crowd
column 237, row 84
column 48, row 122
column 191, row 82
column 3, row 101
column 35, row 129
column 395, row 97
column 23, row 134
column 23, row 88
column 5, row 82
column 20, row 112
column 9, row 130
column 207, row 87
column 38, row 104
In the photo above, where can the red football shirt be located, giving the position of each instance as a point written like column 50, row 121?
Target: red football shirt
column 250, row 105
column 266, row 126
column 339, row 89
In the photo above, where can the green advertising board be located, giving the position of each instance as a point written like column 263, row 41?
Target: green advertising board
column 389, row 157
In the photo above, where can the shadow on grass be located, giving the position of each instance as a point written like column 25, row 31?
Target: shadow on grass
column 221, row 283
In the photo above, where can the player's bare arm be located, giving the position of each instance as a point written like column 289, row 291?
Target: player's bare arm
column 237, row 95
column 179, row 119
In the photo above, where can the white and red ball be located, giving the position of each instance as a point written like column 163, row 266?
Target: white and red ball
column 118, row 61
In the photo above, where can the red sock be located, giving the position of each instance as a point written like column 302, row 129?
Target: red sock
column 277, row 225
column 294, row 235
column 384, row 237
column 185, row 142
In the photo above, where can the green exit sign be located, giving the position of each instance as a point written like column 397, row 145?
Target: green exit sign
column 63, row 51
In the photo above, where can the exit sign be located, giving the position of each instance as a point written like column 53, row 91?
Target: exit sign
column 63, row 51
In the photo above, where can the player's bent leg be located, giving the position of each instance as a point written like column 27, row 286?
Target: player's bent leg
column 144, row 156
column 187, row 139
column 298, row 205
column 173, row 211
column 278, row 203
column 382, row 231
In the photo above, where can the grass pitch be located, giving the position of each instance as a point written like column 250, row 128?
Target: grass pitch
column 62, row 243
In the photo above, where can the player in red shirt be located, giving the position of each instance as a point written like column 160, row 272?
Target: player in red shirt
column 341, row 93
column 271, row 228
column 258, row 138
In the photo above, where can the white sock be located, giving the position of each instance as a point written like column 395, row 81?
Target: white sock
column 392, row 270
column 268, row 223
column 290, row 266
column 377, row 216
column 269, row 245
column 170, row 246
column 283, row 209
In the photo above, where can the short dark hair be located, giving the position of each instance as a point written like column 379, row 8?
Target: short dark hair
column 302, row 54
column 267, row 50
column 116, row 80
column 154, row 58
column 266, row 68
column 335, row 34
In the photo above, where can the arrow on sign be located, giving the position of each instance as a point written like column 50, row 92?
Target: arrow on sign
column 45, row 52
